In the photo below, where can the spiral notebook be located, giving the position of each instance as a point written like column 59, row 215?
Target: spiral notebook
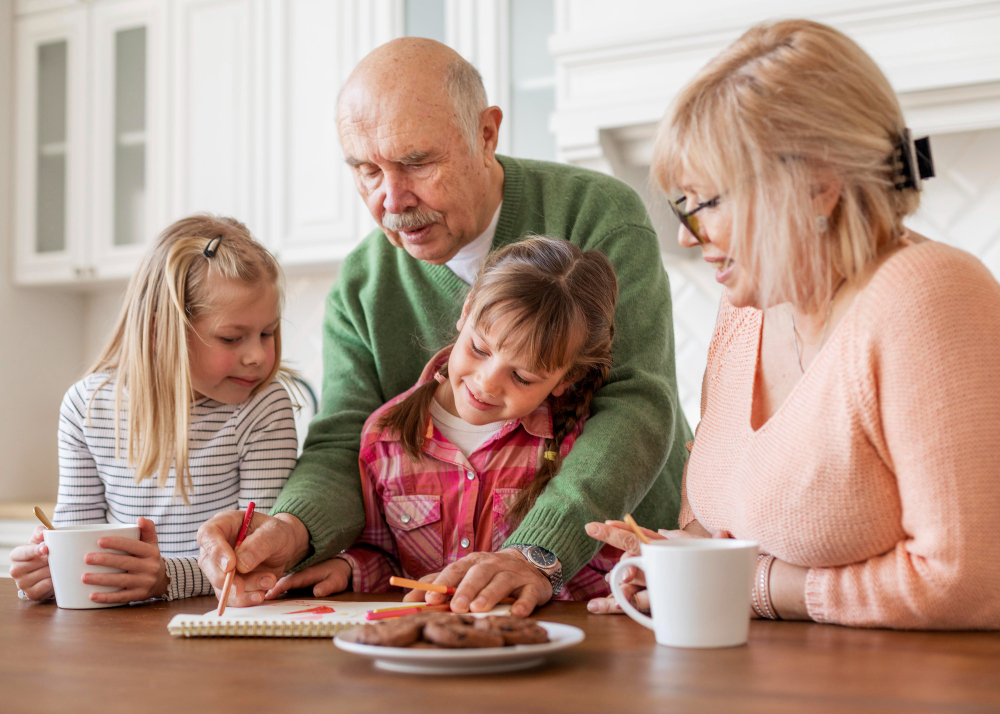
column 280, row 618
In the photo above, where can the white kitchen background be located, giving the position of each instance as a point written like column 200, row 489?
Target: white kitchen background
column 119, row 116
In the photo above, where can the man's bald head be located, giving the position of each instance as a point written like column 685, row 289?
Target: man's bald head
column 420, row 73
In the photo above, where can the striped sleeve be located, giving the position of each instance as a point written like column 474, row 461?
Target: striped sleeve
column 268, row 447
column 81, row 491
column 186, row 578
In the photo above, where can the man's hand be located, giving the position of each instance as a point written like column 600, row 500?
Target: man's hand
column 272, row 546
column 484, row 579
column 420, row 595
column 329, row 577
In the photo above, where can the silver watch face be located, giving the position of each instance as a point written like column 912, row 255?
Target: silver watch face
column 541, row 557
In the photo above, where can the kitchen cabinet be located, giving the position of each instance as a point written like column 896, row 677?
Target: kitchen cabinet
column 133, row 113
column 88, row 137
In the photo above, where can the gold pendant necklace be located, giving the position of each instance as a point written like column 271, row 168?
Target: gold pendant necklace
column 826, row 324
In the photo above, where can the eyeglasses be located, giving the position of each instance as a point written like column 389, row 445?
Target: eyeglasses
column 687, row 218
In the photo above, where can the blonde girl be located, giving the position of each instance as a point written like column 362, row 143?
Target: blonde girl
column 450, row 467
column 179, row 418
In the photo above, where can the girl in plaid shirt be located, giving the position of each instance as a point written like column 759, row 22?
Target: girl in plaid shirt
column 452, row 465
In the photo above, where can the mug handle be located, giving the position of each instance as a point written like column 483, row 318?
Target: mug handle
column 616, row 588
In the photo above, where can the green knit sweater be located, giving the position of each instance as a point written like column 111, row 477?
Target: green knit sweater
column 387, row 314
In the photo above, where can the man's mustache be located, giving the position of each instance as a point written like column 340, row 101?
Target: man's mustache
column 413, row 218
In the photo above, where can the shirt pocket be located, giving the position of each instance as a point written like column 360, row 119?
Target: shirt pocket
column 502, row 528
column 415, row 522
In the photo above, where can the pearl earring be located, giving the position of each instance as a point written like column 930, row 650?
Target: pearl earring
column 821, row 224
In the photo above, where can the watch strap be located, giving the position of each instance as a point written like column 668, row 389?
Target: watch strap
column 552, row 572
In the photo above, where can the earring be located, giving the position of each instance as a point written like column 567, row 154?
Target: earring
column 821, row 224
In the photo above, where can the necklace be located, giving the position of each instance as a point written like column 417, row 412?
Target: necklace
column 826, row 325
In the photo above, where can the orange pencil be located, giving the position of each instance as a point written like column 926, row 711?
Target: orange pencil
column 417, row 585
column 232, row 573
column 391, row 612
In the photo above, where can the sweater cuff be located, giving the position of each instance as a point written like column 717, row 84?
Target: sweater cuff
column 325, row 539
column 186, row 579
column 572, row 546
column 815, row 595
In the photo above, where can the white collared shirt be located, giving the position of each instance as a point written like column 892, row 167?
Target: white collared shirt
column 469, row 259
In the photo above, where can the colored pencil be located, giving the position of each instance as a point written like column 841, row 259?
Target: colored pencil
column 417, row 585
column 232, row 573
column 392, row 612
column 635, row 528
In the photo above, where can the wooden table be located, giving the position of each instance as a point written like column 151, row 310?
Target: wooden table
column 123, row 660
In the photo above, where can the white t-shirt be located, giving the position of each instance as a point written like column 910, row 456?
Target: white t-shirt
column 469, row 259
column 459, row 432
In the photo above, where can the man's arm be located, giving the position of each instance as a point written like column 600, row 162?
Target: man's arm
column 619, row 457
column 324, row 490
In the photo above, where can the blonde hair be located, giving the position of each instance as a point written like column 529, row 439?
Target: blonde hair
column 784, row 103
column 148, row 353
column 561, row 304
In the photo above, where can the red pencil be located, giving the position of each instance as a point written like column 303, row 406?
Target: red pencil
column 232, row 573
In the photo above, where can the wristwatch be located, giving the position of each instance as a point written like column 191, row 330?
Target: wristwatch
column 546, row 561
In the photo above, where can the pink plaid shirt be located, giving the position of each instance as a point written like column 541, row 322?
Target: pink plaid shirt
column 423, row 515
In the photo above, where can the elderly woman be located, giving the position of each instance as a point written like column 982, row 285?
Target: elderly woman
column 851, row 401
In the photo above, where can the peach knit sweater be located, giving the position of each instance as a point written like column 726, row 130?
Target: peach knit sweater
column 881, row 471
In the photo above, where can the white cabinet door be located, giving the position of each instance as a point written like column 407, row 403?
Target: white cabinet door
column 318, row 216
column 50, row 210
column 128, row 136
column 217, row 109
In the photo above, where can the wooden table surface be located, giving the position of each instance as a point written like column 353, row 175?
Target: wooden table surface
column 123, row 660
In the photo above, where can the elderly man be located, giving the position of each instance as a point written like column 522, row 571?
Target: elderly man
column 420, row 139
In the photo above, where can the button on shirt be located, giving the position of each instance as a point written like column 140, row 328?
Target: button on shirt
column 423, row 515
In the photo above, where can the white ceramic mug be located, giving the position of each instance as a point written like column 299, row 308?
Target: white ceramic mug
column 68, row 546
column 699, row 590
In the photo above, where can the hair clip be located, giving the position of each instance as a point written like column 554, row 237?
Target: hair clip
column 212, row 247
column 550, row 455
column 439, row 377
column 912, row 161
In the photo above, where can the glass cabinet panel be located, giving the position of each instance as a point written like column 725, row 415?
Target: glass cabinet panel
column 533, row 81
column 50, row 189
column 130, row 136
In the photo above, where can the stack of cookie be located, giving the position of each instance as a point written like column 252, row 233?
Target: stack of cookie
column 449, row 630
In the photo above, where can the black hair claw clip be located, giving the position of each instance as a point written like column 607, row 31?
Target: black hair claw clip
column 212, row 247
column 913, row 161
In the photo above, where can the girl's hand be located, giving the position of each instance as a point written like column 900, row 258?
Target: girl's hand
column 420, row 595
column 145, row 573
column 329, row 577
column 29, row 566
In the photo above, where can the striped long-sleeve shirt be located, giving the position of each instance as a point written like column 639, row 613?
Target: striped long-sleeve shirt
column 423, row 515
column 237, row 453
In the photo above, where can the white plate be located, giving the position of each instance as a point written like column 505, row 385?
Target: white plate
column 471, row 661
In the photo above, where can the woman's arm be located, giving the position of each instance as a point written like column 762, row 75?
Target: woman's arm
column 929, row 398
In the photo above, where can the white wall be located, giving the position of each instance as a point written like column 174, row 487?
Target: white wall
column 41, row 333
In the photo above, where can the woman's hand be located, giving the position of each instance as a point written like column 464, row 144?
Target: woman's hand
column 29, row 566
column 145, row 573
column 329, row 577
column 619, row 535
